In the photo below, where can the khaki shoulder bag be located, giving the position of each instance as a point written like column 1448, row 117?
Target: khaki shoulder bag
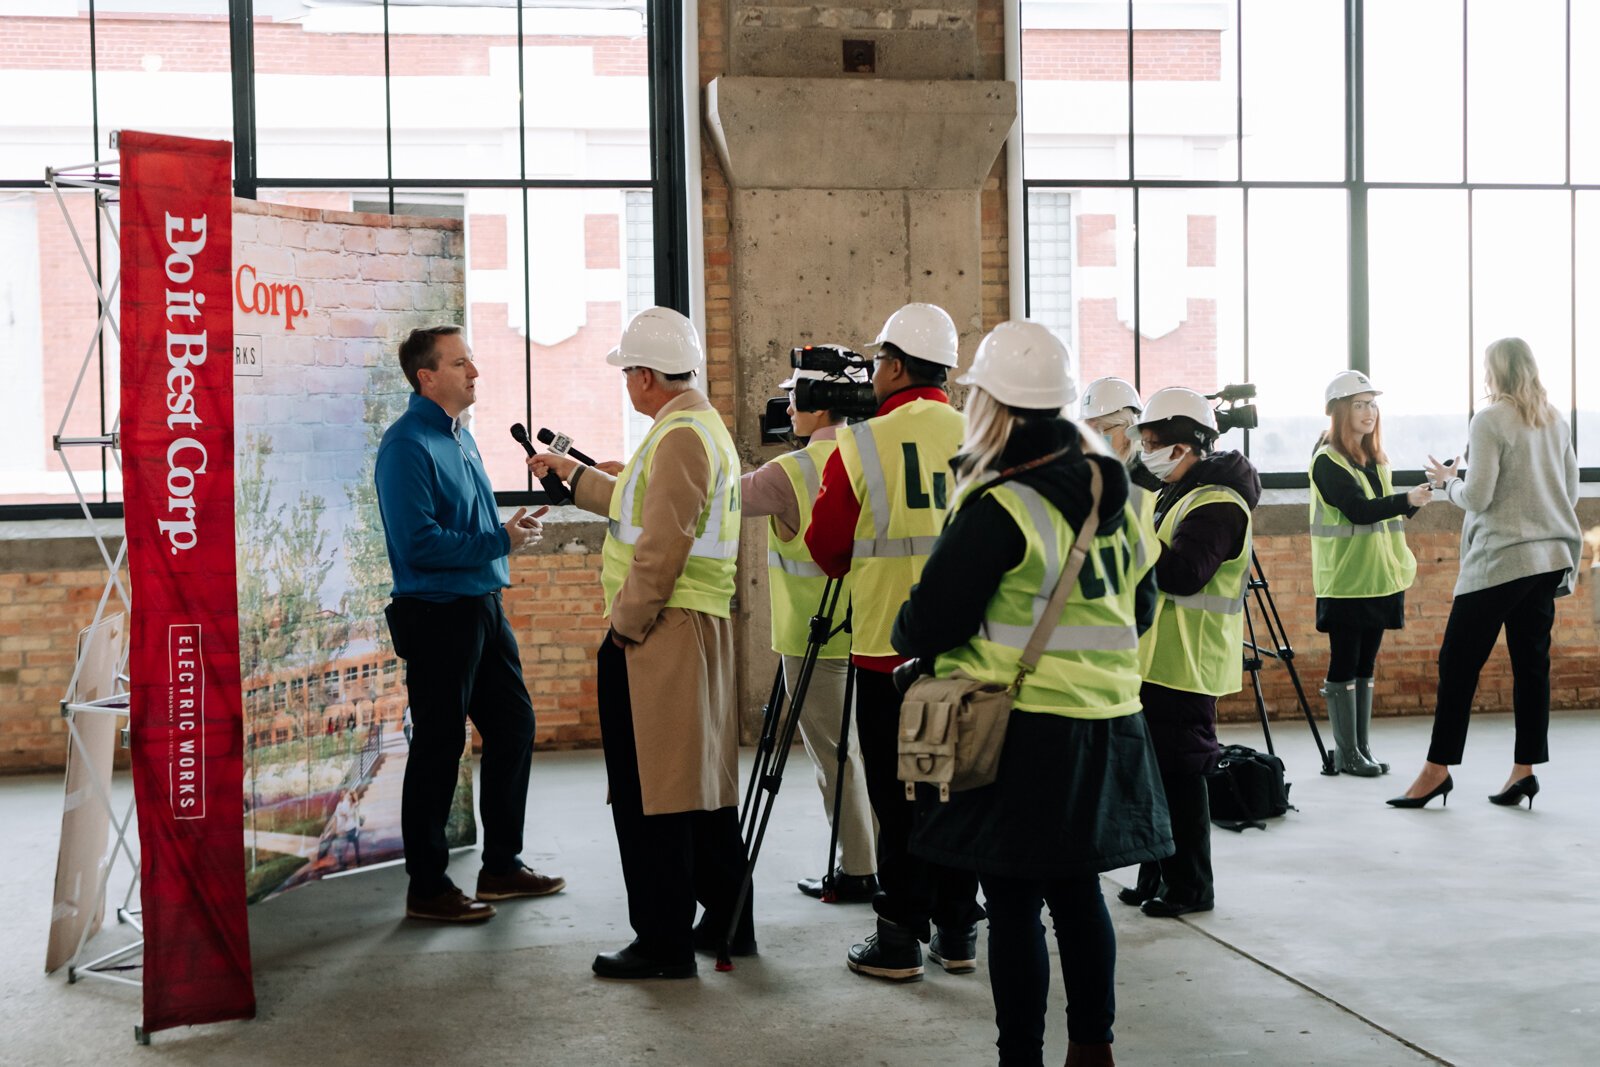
column 952, row 730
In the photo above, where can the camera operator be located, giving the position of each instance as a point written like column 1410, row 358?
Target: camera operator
column 1077, row 791
column 883, row 501
column 782, row 492
column 668, row 711
column 1193, row 652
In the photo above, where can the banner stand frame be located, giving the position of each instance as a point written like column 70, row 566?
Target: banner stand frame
column 102, row 179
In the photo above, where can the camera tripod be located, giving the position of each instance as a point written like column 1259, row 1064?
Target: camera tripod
column 772, row 755
column 1280, row 649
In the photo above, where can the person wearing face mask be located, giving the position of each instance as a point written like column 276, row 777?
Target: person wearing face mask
column 1193, row 653
column 1360, row 565
column 782, row 492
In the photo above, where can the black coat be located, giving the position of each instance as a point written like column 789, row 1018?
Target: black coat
column 1184, row 725
column 1072, row 796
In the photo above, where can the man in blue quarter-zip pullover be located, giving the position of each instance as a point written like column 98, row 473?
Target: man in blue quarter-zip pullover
column 448, row 549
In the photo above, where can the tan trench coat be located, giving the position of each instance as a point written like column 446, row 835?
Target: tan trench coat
column 680, row 668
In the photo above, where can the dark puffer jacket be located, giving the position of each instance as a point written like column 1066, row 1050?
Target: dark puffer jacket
column 1184, row 725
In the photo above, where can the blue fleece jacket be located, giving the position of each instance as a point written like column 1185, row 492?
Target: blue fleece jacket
column 440, row 521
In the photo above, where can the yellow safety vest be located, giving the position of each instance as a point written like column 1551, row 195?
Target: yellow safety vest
column 794, row 580
column 1090, row 667
column 707, row 581
column 1357, row 559
column 1197, row 642
column 899, row 467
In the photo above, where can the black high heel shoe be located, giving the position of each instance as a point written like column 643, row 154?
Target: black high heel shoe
column 1512, row 797
column 1442, row 791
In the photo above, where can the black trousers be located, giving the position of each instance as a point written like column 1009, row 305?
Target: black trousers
column 1019, row 963
column 668, row 861
column 1526, row 608
column 461, row 662
column 1353, row 652
column 912, row 892
column 1184, row 876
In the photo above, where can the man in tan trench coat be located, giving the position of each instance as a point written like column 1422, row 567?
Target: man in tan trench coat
column 668, row 713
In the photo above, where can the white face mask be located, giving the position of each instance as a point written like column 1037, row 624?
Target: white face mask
column 1162, row 462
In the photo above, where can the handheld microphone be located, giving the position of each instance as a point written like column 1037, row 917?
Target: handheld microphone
column 560, row 442
column 553, row 487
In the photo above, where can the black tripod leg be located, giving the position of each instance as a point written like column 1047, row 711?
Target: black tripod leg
column 767, row 778
column 1285, row 652
column 830, row 894
column 1252, row 664
column 764, row 744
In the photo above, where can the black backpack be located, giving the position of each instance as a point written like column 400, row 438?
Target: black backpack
column 1247, row 787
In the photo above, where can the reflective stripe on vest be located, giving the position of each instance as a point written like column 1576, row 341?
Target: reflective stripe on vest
column 1090, row 665
column 707, row 581
column 1357, row 560
column 1197, row 642
column 795, row 583
column 898, row 466
column 710, row 544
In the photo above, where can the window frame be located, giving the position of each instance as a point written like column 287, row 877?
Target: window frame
column 1354, row 184
column 668, row 184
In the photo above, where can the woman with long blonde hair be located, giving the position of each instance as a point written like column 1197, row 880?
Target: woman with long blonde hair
column 1077, row 791
column 1520, row 546
column 1360, row 564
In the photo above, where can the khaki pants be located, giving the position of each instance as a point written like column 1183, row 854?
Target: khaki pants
column 819, row 729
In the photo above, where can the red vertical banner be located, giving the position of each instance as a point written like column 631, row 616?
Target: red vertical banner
column 178, row 488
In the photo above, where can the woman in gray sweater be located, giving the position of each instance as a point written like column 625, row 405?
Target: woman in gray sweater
column 1520, row 546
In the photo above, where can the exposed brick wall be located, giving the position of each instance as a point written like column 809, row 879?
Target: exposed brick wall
column 486, row 242
column 1202, row 240
column 41, row 612
column 602, row 242
column 1187, row 356
column 714, row 205
column 1102, row 55
column 555, row 607
column 123, row 43
column 1097, row 240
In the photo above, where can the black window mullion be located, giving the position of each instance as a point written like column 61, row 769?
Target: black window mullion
column 241, row 45
column 388, row 111
column 669, row 195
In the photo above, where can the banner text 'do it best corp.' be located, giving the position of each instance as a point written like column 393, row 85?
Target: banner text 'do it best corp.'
column 177, row 448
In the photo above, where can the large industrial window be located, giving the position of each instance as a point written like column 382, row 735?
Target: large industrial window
column 1269, row 192
column 551, row 130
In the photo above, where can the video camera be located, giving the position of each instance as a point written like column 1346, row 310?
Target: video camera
column 836, row 393
column 1235, row 416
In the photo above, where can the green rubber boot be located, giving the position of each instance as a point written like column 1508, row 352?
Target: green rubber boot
column 1364, row 687
column 1341, row 698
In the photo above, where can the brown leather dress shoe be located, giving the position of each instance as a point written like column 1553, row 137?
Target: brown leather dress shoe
column 522, row 882
column 449, row 906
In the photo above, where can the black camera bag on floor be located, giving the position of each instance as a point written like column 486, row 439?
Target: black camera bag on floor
column 1246, row 787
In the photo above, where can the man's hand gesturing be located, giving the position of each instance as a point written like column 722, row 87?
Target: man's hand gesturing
column 525, row 530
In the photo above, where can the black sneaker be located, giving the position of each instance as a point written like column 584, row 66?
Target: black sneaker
column 955, row 948
column 892, row 953
column 847, row 888
column 1135, row 895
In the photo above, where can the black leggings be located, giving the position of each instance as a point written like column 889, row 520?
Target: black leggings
column 1353, row 652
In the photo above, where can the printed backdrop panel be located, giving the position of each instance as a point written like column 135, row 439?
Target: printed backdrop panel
column 322, row 300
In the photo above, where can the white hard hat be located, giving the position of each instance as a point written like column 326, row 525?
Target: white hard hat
column 1023, row 365
column 1176, row 400
column 925, row 331
column 1106, row 395
column 1347, row 383
column 661, row 339
column 853, row 375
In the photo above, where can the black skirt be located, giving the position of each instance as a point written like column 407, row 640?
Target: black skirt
column 1073, row 796
column 1361, row 613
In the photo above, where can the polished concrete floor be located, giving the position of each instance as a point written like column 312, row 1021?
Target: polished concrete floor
column 1346, row 933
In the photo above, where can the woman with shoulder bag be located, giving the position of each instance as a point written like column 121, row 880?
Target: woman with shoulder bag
column 1520, row 547
column 1360, row 564
column 1077, row 791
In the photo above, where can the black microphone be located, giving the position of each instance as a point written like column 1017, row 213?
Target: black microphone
column 560, row 442
column 554, row 489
